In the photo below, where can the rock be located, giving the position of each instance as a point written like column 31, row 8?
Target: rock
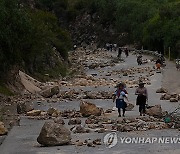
column 59, row 120
column 54, row 134
column 124, row 128
column 74, row 121
column 161, row 90
column 174, row 95
column 23, row 107
column 79, row 143
column 125, row 74
column 108, row 111
column 173, row 99
column 80, row 129
column 101, row 130
column 129, row 107
column 97, row 141
column 155, row 111
column 90, row 144
column 167, row 97
column 43, row 113
column 87, row 109
column 49, row 92
column 53, row 112
column 120, row 120
column 34, row 113
column 3, row 129
column 177, row 125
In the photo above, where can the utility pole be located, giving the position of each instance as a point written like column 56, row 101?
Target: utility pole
column 169, row 53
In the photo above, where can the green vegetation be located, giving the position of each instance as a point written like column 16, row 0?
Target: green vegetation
column 154, row 24
column 28, row 38
column 4, row 90
column 30, row 31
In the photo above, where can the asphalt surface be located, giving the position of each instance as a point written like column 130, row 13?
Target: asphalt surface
column 22, row 139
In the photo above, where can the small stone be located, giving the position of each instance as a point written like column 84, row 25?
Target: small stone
column 59, row 120
column 74, row 121
column 161, row 90
column 173, row 99
column 34, row 113
column 90, row 144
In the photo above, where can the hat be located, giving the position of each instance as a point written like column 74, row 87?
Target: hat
column 120, row 84
column 141, row 83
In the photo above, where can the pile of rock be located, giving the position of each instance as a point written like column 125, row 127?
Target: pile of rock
column 70, row 114
column 172, row 97
column 43, row 115
column 88, row 143
column 73, row 94
column 79, row 129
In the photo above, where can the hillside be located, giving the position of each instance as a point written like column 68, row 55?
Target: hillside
column 36, row 35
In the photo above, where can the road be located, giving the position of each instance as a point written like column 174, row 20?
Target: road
column 22, row 139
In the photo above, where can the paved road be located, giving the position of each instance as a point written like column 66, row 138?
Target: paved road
column 22, row 139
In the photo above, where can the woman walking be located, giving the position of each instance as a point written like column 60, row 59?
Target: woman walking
column 142, row 97
column 119, row 96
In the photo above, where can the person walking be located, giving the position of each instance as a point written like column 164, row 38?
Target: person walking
column 178, row 64
column 119, row 52
column 139, row 59
column 158, row 64
column 142, row 97
column 119, row 96
column 126, row 52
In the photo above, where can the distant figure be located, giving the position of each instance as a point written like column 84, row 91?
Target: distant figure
column 119, row 96
column 139, row 59
column 142, row 97
column 119, row 52
column 110, row 47
column 126, row 52
column 107, row 46
column 178, row 64
column 158, row 64
column 115, row 47
column 75, row 46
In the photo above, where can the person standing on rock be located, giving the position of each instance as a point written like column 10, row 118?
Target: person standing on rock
column 119, row 96
column 142, row 98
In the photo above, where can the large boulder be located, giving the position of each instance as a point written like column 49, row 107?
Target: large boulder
column 155, row 111
column 49, row 92
column 161, row 90
column 3, row 129
column 23, row 107
column 87, row 109
column 54, row 134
